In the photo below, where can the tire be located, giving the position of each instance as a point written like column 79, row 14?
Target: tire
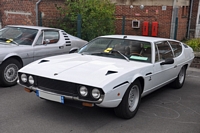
column 130, row 102
column 179, row 81
column 8, row 72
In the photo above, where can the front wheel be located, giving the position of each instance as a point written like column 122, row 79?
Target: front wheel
column 179, row 81
column 130, row 102
column 8, row 72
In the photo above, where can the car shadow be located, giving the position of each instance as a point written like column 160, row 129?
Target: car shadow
column 55, row 111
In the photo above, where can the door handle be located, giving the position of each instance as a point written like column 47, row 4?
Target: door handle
column 148, row 73
column 61, row 47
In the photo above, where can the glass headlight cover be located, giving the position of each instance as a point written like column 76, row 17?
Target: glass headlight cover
column 83, row 91
column 31, row 80
column 96, row 93
column 24, row 78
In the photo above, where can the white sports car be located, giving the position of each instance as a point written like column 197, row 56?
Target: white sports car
column 110, row 71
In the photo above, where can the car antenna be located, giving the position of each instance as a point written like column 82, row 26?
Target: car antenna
column 125, row 37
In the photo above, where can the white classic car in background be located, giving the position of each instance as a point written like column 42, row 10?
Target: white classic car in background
column 20, row 45
column 110, row 71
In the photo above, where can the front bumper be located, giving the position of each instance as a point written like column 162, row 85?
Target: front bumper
column 74, row 98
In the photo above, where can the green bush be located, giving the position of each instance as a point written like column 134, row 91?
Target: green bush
column 97, row 17
column 194, row 43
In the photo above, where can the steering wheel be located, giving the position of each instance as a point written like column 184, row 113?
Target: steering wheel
column 136, row 54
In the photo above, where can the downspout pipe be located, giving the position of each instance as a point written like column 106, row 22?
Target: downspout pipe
column 174, row 15
column 189, row 20
column 37, row 3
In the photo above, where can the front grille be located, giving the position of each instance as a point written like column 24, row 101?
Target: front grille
column 57, row 86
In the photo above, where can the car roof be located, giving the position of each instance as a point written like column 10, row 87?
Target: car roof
column 140, row 38
column 32, row 27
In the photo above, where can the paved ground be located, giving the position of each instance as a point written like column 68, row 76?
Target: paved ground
column 164, row 111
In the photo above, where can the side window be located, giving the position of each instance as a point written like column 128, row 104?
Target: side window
column 177, row 48
column 164, row 50
column 157, row 56
column 52, row 36
column 49, row 36
column 40, row 39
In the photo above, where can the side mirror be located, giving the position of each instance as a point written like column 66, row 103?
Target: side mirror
column 46, row 41
column 167, row 61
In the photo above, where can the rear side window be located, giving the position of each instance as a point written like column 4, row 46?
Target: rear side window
column 53, row 36
column 177, row 48
column 50, row 35
column 163, row 51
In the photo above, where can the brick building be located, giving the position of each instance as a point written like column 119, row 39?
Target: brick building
column 171, row 15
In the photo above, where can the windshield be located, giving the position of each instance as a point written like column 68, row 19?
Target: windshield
column 17, row 35
column 119, row 48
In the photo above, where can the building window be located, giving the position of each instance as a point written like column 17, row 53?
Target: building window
column 184, row 11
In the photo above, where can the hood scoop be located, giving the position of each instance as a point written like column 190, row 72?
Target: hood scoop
column 111, row 72
column 42, row 61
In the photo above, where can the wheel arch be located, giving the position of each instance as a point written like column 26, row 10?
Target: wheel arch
column 186, row 66
column 16, row 57
column 141, row 80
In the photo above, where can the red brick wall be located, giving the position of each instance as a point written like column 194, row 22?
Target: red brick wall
column 182, row 25
column 150, row 14
column 17, row 8
column 48, row 9
column 50, row 16
column 26, row 6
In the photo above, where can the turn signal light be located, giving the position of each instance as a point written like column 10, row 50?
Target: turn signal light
column 27, row 90
column 88, row 104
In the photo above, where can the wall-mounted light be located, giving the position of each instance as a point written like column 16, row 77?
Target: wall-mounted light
column 131, row 6
column 141, row 7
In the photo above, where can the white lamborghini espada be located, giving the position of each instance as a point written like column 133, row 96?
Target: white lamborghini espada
column 112, row 71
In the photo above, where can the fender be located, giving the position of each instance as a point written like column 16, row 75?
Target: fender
column 12, row 55
column 136, row 76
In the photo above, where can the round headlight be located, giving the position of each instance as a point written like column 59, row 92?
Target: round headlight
column 96, row 93
column 31, row 79
column 24, row 78
column 83, row 91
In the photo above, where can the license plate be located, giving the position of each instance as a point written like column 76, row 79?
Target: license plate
column 49, row 96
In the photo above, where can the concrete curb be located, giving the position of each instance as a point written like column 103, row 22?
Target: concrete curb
column 197, row 54
column 193, row 69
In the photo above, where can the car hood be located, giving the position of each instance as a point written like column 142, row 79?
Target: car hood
column 82, row 69
column 6, row 47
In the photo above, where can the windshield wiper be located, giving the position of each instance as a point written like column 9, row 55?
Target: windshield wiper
column 96, row 53
column 7, row 39
column 120, row 54
column 109, row 53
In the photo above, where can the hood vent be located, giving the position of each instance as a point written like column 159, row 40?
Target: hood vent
column 111, row 72
column 42, row 61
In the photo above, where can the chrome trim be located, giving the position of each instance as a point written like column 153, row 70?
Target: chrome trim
column 67, row 97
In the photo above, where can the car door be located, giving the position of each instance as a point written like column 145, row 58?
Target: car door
column 163, row 73
column 48, row 44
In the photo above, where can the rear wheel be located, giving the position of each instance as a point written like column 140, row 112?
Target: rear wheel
column 130, row 102
column 8, row 72
column 179, row 81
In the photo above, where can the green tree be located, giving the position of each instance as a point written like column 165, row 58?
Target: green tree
column 97, row 17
